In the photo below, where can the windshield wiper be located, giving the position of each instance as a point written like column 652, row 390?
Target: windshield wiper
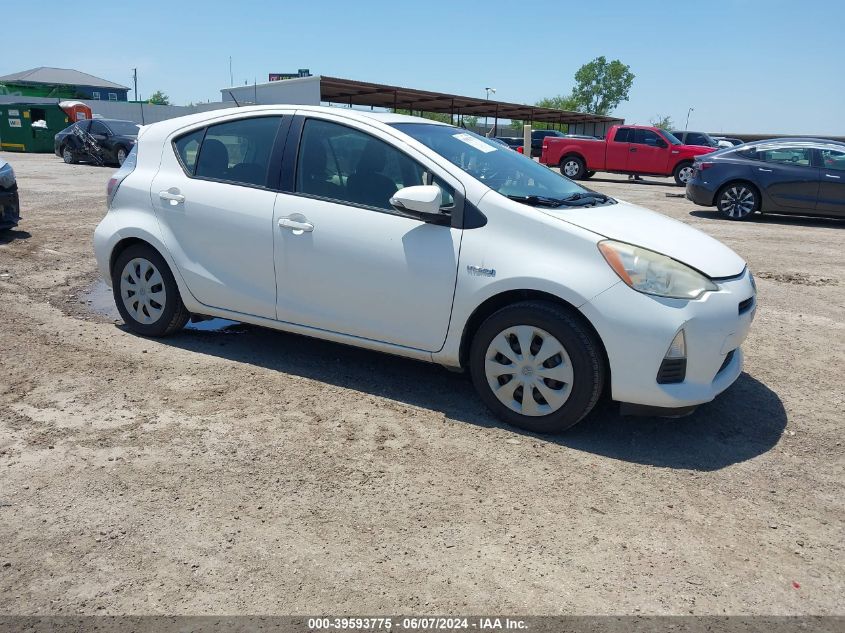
column 588, row 194
column 540, row 201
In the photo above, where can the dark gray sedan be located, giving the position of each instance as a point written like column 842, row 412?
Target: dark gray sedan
column 803, row 176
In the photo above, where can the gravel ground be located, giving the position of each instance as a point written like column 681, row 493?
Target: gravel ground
column 251, row 471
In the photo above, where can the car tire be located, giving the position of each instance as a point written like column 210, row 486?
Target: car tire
column 68, row 155
column 565, row 385
column 682, row 174
column 738, row 200
column 573, row 167
column 146, row 293
column 589, row 174
column 120, row 155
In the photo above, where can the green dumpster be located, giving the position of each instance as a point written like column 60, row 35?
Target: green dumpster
column 21, row 129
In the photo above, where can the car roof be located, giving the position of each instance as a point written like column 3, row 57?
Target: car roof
column 797, row 139
column 349, row 113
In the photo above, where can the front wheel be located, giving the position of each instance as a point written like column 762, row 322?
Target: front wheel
column 146, row 293
column 67, row 155
column 683, row 174
column 536, row 366
column 572, row 167
column 737, row 201
column 121, row 155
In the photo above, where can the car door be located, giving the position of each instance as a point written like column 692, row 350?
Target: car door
column 832, row 182
column 346, row 261
column 648, row 153
column 101, row 135
column 618, row 148
column 787, row 177
column 215, row 208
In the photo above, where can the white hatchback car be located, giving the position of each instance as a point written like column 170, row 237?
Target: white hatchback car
column 420, row 239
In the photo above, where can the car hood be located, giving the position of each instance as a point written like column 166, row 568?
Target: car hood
column 695, row 150
column 635, row 225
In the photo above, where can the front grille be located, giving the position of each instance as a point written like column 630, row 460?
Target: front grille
column 672, row 370
column 745, row 306
column 726, row 362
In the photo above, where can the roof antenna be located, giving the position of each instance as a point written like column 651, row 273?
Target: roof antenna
column 233, row 98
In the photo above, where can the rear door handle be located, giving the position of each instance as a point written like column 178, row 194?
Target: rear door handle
column 172, row 195
column 832, row 176
column 296, row 226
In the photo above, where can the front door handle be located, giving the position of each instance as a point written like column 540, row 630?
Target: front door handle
column 765, row 170
column 832, row 176
column 632, row 149
column 172, row 195
column 296, row 226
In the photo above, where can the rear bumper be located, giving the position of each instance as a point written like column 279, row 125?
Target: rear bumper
column 10, row 209
column 636, row 330
column 700, row 195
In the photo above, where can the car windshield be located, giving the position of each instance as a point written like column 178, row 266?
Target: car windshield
column 123, row 128
column 505, row 171
column 670, row 137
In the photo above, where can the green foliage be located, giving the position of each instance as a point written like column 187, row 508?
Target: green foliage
column 600, row 85
column 159, row 98
column 662, row 121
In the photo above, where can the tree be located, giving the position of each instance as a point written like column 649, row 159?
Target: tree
column 600, row 85
column 159, row 98
column 664, row 122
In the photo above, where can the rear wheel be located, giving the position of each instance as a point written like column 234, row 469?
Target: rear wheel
column 536, row 366
column 121, row 155
column 589, row 174
column 683, row 174
column 67, row 155
column 146, row 293
column 737, row 201
column 573, row 167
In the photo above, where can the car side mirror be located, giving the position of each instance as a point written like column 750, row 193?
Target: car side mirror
column 421, row 202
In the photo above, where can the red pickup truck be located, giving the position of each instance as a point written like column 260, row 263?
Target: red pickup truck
column 628, row 149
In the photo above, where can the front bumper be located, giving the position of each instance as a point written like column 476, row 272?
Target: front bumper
column 10, row 209
column 637, row 329
column 700, row 194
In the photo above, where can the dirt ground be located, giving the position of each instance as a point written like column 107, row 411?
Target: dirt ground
column 252, row 471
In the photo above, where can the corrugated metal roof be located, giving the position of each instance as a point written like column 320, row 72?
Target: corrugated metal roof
column 60, row 76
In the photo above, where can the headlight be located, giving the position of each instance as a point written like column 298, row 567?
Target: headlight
column 653, row 273
column 7, row 176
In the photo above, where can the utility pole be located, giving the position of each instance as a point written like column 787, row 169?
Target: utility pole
column 488, row 91
column 231, row 77
column 687, row 123
column 137, row 98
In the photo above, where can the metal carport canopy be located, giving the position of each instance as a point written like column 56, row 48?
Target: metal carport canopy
column 362, row 93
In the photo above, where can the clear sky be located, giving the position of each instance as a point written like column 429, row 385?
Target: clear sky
column 767, row 66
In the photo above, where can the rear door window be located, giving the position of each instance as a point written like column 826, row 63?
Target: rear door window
column 798, row 156
column 187, row 148
column 623, row 135
column 237, row 152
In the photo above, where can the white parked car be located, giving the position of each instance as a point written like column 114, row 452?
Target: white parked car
column 420, row 239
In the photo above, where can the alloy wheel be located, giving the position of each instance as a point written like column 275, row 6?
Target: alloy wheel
column 529, row 370
column 737, row 202
column 67, row 156
column 571, row 168
column 142, row 291
column 121, row 156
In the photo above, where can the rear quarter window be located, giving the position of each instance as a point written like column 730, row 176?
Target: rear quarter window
column 187, row 148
